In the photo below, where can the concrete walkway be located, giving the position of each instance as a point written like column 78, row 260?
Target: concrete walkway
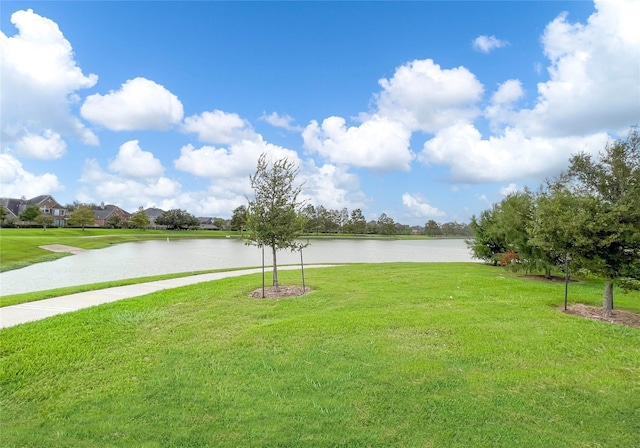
column 32, row 311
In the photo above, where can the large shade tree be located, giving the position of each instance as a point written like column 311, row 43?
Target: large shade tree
column 273, row 215
column 594, row 214
column 177, row 219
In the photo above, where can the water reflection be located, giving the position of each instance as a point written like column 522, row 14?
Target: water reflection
column 157, row 257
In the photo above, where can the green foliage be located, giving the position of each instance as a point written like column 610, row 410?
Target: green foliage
column 389, row 355
column 487, row 243
column 357, row 223
column 272, row 216
column 82, row 216
column 140, row 220
column 3, row 214
column 177, row 219
column 386, row 225
column 239, row 219
column 606, row 191
column 44, row 220
column 30, row 213
column 432, row 228
column 114, row 221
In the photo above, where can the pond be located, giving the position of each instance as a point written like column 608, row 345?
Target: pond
column 156, row 257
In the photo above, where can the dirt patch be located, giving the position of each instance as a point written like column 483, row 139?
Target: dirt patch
column 618, row 317
column 62, row 248
column 271, row 292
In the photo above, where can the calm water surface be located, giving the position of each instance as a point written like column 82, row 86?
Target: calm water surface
column 156, row 257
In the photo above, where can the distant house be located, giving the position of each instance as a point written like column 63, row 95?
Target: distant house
column 207, row 224
column 46, row 203
column 153, row 213
column 104, row 212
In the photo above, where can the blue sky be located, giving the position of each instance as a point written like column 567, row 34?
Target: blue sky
column 420, row 110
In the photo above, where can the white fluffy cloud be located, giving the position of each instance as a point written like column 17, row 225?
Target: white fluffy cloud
column 503, row 100
column 503, row 158
column 419, row 207
column 330, row 186
column 132, row 161
column 47, row 146
column 592, row 89
column 39, row 81
column 423, row 96
column 139, row 104
column 379, row 143
column 238, row 160
column 280, row 121
column 508, row 92
column 594, row 73
column 126, row 192
column 220, row 127
column 486, row 44
column 16, row 182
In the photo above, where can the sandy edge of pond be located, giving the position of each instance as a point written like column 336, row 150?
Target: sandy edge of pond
column 62, row 248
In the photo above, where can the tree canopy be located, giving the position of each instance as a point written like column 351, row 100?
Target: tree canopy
column 30, row 213
column 140, row 219
column 82, row 216
column 177, row 219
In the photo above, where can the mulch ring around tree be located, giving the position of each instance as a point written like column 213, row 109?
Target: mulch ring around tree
column 618, row 317
column 271, row 292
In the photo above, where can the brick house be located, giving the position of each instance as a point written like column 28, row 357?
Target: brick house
column 104, row 212
column 46, row 203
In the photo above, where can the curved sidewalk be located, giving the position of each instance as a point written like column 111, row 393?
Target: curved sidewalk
column 32, row 311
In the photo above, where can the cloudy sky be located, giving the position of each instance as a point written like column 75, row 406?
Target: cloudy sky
column 421, row 110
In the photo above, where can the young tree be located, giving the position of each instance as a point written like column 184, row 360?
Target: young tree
column 30, row 213
column 82, row 216
column 140, row 219
column 44, row 220
column 272, row 218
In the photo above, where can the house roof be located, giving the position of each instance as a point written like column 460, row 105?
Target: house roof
column 153, row 212
column 107, row 210
column 13, row 205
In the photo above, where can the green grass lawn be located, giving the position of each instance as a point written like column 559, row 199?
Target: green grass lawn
column 406, row 355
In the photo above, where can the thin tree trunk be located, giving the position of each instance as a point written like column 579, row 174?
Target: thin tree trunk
column 607, row 303
column 275, row 268
column 547, row 273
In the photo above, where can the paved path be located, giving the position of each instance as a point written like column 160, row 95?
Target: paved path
column 31, row 311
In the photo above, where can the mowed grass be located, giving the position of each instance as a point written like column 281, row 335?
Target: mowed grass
column 406, row 355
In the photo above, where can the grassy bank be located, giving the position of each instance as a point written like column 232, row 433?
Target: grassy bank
column 378, row 355
column 21, row 247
